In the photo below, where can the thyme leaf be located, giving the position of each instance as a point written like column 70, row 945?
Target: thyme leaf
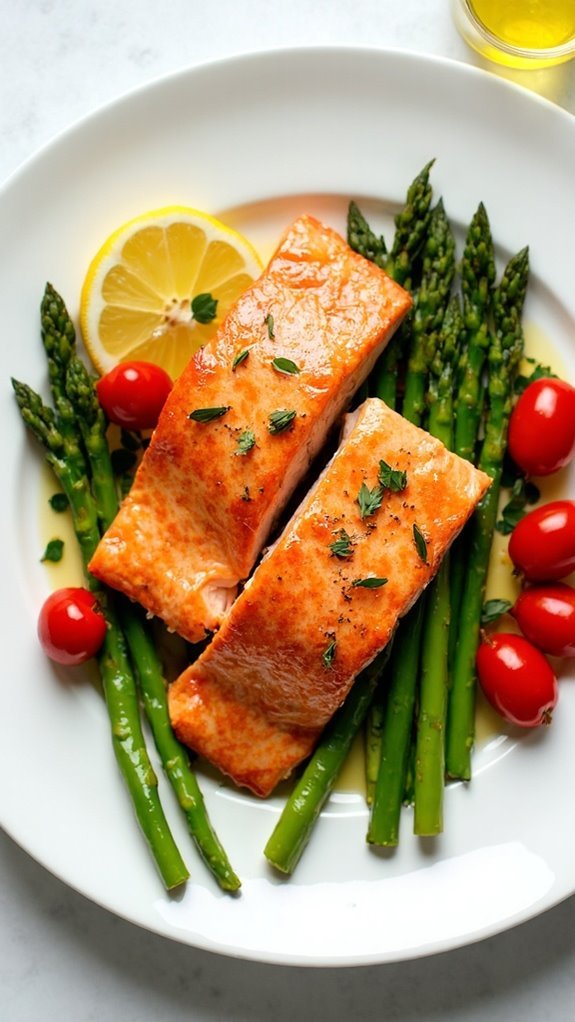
column 246, row 441
column 369, row 583
column 59, row 502
column 280, row 420
column 391, row 478
column 420, row 543
column 204, row 307
column 243, row 355
column 54, row 551
column 208, row 414
column 343, row 546
column 369, row 501
column 493, row 609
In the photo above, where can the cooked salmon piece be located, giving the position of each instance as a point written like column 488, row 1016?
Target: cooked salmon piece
column 243, row 423
column 325, row 600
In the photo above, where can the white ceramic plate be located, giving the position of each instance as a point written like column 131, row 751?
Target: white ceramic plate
column 257, row 140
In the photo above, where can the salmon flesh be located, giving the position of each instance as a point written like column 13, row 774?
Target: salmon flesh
column 242, row 425
column 325, row 600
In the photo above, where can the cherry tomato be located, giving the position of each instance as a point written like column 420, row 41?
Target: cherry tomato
column 70, row 627
column 542, row 427
column 133, row 394
column 546, row 616
column 517, row 680
column 542, row 545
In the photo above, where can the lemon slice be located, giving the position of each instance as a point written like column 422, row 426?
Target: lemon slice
column 136, row 298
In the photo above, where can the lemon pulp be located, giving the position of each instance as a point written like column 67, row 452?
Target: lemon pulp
column 136, row 298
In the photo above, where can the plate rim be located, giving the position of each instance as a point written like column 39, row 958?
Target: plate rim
column 100, row 113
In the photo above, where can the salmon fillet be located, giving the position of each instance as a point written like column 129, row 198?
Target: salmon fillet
column 202, row 506
column 256, row 701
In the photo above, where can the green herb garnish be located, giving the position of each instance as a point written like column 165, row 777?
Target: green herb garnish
column 328, row 654
column 204, row 308
column 369, row 500
column 369, row 583
column 420, row 542
column 208, row 414
column 540, row 372
column 246, row 441
column 53, row 551
column 285, row 365
column 269, row 322
column 280, row 420
column 493, row 609
column 243, row 355
column 59, row 502
column 522, row 494
column 391, row 478
column 342, row 547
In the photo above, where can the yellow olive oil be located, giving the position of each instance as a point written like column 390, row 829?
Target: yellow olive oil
column 528, row 24
column 521, row 34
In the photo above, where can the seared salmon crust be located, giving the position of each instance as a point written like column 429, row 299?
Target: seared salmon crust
column 243, row 423
column 309, row 620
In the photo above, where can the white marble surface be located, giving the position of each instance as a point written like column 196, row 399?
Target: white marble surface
column 60, row 956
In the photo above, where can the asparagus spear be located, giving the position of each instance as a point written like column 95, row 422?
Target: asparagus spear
column 504, row 357
column 477, row 279
column 362, row 239
column 373, row 738
column 430, row 742
column 147, row 665
column 59, row 340
column 173, row 756
column 396, row 732
column 293, row 829
column 431, row 302
column 411, row 225
column 119, row 686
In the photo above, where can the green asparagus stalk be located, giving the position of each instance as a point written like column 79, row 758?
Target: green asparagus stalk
column 434, row 681
column 59, row 340
column 430, row 305
column 119, row 686
column 92, row 424
column 411, row 225
column 293, row 829
column 362, row 239
column 504, row 357
column 477, row 280
column 373, row 738
column 397, row 732
column 174, row 757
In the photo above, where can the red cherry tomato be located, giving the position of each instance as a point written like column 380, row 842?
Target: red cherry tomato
column 546, row 616
column 542, row 545
column 542, row 427
column 517, row 680
column 70, row 627
column 133, row 394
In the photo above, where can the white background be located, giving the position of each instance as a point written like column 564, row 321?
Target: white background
column 60, row 956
